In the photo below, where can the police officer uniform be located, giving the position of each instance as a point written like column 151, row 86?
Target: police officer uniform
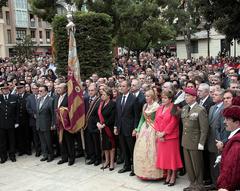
column 8, row 123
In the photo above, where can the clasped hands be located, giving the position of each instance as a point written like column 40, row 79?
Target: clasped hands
column 100, row 126
column 160, row 135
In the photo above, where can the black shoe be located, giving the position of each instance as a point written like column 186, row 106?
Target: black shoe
column 20, row 153
column 43, row 159
column 71, row 162
column 166, row 182
column 105, row 166
column 13, row 159
column 124, row 170
column 62, row 161
column 171, row 184
column 38, row 154
column 182, row 172
column 132, row 174
column 50, row 159
column 3, row 160
column 96, row 163
column 90, row 162
column 111, row 169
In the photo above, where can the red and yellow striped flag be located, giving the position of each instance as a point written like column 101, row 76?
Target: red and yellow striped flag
column 76, row 107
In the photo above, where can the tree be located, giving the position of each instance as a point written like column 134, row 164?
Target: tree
column 224, row 15
column 3, row 3
column 136, row 23
column 93, row 38
column 184, row 15
column 24, row 49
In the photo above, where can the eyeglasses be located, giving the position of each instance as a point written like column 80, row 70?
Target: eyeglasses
column 40, row 91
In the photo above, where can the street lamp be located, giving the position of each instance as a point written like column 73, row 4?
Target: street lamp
column 207, row 26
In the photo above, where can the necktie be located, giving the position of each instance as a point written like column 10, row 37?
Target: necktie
column 215, row 111
column 123, row 102
column 40, row 102
column 5, row 98
column 201, row 102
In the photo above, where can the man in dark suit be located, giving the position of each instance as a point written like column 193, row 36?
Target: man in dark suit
column 206, row 101
column 217, row 132
column 67, row 144
column 140, row 98
column 125, row 123
column 23, row 132
column 92, row 136
column 8, row 123
column 204, row 97
column 44, row 123
column 31, row 105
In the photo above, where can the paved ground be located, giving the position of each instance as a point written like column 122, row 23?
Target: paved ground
column 29, row 174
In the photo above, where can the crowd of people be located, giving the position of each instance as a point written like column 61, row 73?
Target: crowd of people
column 161, row 117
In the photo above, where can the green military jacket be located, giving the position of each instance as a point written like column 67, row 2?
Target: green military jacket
column 195, row 126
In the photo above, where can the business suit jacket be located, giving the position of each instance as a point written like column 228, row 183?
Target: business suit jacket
column 140, row 101
column 208, row 103
column 64, row 103
column 126, row 119
column 9, row 112
column 217, row 130
column 195, row 127
column 92, row 114
column 31, row 106
column 22, row 110
column 44, row 119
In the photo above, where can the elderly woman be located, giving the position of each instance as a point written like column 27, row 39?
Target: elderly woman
column 229, row 179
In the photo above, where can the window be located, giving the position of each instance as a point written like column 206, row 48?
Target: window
column 33, row 35
column 7, row 18
column 40, row 34
column 194, row 46
column 21, row 34
column 9, row 36
column 48, row 36
column 21, row 4
column 21, row 18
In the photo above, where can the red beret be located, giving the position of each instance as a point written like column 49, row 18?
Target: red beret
column 232, row 112
column 190, row 91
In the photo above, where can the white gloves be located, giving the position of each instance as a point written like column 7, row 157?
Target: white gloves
column 200, row 147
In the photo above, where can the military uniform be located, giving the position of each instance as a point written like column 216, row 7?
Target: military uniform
column 8, row 120
column 195, row 129
column 23, row 131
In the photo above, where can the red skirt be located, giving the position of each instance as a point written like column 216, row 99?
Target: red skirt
column 168, row 155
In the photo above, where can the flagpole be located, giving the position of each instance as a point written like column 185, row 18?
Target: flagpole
column 71, row 31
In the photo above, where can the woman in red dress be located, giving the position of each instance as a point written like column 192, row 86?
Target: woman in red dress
column 168, row 151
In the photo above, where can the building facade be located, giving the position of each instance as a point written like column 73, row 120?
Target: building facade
column 16, row 22
column 199, row 45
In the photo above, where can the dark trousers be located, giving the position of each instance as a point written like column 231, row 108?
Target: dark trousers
column 7, row 142
column 46, row 143
column 23, row 138
column 67, row 146
column 78, row 143
column 213, row 170
column 93, row 145
column 55, row 142
column 36, row 139
column 206, row 173
column 127, row 145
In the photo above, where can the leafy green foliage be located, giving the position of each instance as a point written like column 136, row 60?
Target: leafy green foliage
column 3, row 3
column 24, row 49
column 93, row 38
column 225, row 16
